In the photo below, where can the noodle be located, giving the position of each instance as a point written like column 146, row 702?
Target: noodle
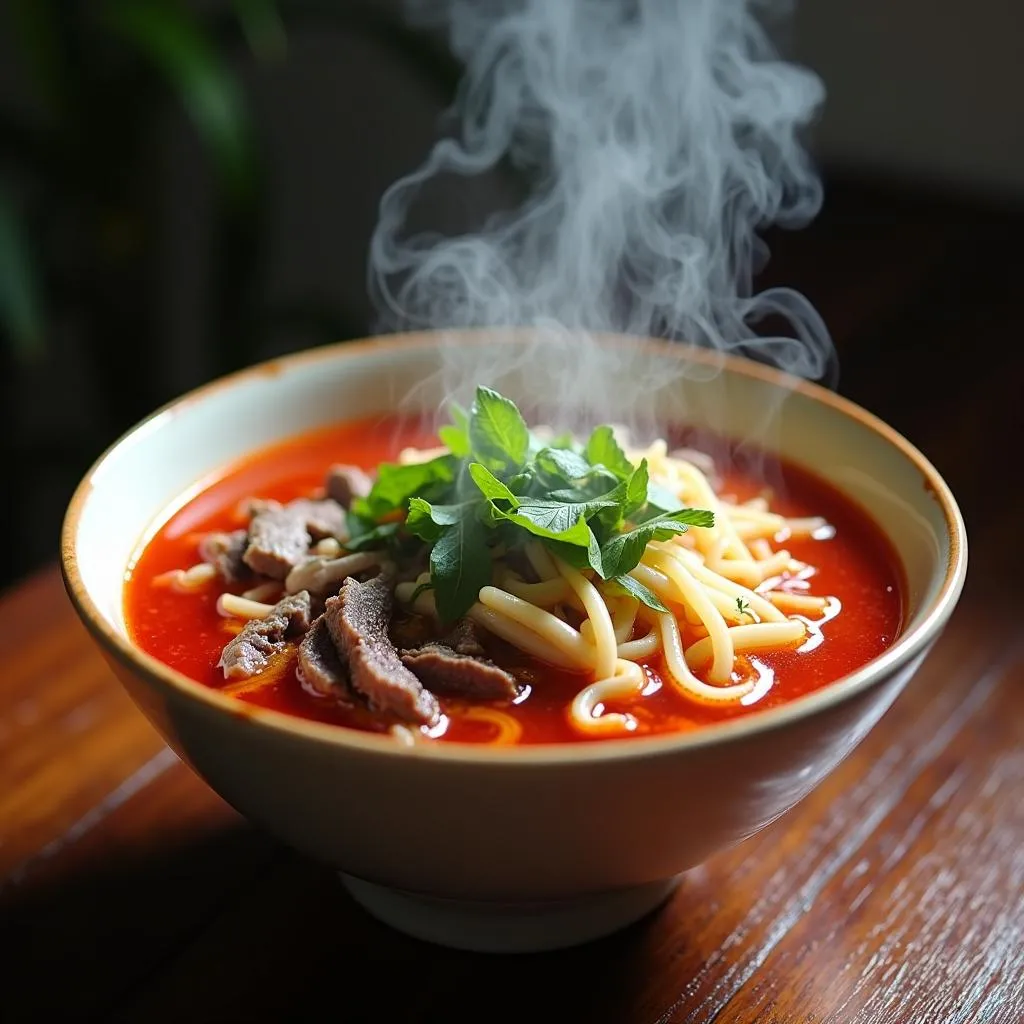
column 231, row 606
column 705, row 601
column 759, row 636
column 601, row 622
column 509, row 730
column 187, row 580
column 696, row 597
column 548, row 627
column 717, row 583
column 627, row 681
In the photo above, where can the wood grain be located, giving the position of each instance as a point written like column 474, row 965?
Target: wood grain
column 893, row 893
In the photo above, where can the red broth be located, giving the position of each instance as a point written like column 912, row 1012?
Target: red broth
column 184, row 630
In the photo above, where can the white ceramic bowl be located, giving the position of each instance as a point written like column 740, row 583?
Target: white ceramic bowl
column 507, row 849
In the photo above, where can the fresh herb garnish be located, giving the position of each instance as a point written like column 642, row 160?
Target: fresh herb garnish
column 742, row 607
column 501, row 484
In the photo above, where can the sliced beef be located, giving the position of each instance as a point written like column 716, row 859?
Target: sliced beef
column 322, row 518
column 344, row 483
column 444, row 670
column 249, row 507
column 225, row 551
column 319, row 665
column 357, row 620
column 279, row 538
column 249, row 652
column 464, row 639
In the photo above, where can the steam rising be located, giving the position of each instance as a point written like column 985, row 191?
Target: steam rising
column 659, row 136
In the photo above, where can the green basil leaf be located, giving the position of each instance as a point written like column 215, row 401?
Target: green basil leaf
column 562, row 464
column 637, row 489
column 420, row 521
column 497, row 431
column 622, row 552
column 575, row 555
column 396, row 484
column 659, row 500
column 628, row 496
column 362, row 539
column 636, row 589
column 557, row 520
column 490, row 486
column 520, row 483
column 602, row 449
column 455, row 439
column 460, row 564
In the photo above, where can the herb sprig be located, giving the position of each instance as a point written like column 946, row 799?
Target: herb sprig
column 499, row 483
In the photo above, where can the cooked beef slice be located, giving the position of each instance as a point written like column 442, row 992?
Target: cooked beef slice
column 249, row 507
column 225, row 551
column 279, row 538
column 464, row 639
column 319, row 665
column 249, row 652
column 322, row 518
column 344, row 483
column 441, row 669
column 357, row 619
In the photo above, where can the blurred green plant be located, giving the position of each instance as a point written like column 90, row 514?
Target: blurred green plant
column 79, row 174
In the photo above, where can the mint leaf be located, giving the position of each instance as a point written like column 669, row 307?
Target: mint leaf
column 424, row 518
column 455, row 439
column 490, row 486
column 628, row 497
column 603, row 450
column 557, row 520
column 622, row 552
column 362, row 539
column 636, row 589
column 497, row 431
column 659, row 499
column 396, row 484
column 637, row 490
column 460, row 564
column 574, row 554
column 420, row 520
column 562, row 464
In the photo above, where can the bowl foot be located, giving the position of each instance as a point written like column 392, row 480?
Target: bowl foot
column 508, row 927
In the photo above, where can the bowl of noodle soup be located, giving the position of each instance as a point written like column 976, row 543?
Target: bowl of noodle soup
column 494, row 679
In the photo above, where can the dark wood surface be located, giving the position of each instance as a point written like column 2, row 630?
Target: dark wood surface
column 894, row 893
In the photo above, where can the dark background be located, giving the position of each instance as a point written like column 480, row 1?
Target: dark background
column 189, row 187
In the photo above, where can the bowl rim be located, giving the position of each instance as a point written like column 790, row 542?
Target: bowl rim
column 177, row 685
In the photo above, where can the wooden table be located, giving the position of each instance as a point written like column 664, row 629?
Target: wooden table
column 893, row 893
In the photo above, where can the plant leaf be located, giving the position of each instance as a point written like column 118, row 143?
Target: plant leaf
column 490, row 486
column 562, row 464
column 622, row 552
column 397, row 483
column 557, row 520
column 603, row 450
column 21, row 312
column 636, row 589
column 420, row 521
column 497, row 431
column 369, row 540
column 175, row 43
column 263, row 29
column 455, row 440
column 460, row 565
